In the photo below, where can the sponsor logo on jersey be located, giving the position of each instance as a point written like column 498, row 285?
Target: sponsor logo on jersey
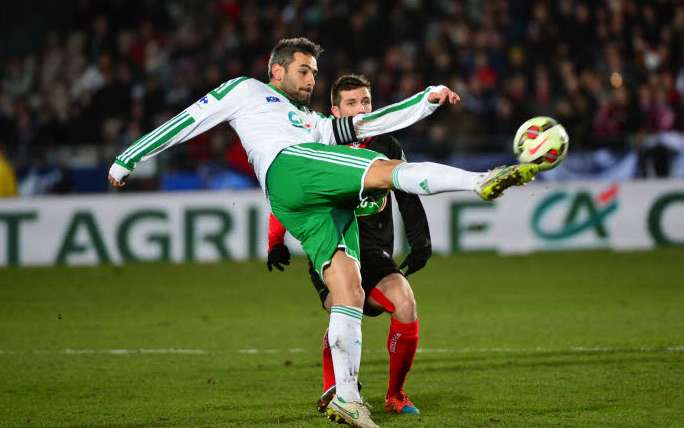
column 203, row 101
column 272, row 99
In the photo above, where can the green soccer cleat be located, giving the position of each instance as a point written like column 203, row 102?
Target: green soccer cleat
column 503, row 177
column 353, row 413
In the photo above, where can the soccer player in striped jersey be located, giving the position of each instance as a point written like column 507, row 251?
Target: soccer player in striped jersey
column 314, row 181
column 386, row 287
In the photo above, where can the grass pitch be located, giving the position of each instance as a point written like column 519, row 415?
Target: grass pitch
column 558, row 339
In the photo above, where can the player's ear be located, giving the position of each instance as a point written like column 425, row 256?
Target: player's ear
column 335, row 111
column 277, row 72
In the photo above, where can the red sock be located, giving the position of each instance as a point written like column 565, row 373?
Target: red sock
column 402, row 342
column 328, row 369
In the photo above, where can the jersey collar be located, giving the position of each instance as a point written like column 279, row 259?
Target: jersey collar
column 287, row 97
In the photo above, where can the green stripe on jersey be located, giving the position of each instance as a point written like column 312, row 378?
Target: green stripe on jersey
column 323, row 159
column 389, row 109
column 152, row 144
column 357, row 160
column 148, row 138
column 162, row 140
column 225, row 88
column 120, row 163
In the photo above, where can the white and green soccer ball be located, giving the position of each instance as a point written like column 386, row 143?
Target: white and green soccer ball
column 541, row 140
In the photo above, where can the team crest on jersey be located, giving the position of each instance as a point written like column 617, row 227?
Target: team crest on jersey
column 297, row 121
column 272, row 99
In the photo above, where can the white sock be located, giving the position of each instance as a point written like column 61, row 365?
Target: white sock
column 429, row 178
column 344, row 337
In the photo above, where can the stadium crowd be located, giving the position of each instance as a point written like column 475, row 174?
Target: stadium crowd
column 103, row 73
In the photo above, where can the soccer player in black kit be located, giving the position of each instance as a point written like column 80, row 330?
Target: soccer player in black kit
column 386, row 287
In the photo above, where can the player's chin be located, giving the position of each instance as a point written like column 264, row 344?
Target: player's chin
column 304, row 97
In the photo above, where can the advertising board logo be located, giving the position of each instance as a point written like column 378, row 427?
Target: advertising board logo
column 583, row 212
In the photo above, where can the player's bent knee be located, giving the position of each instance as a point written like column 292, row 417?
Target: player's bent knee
column 405, row 308
column 397, row 289
column 348, row 296
column 343, row 279
column 379, row 175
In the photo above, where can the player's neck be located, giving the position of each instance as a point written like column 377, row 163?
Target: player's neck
column 283, row 93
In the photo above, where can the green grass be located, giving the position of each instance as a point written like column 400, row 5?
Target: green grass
column 581, row 339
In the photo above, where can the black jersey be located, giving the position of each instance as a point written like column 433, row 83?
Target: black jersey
column 377, row 231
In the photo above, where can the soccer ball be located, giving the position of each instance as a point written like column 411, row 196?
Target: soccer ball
column 541, row 140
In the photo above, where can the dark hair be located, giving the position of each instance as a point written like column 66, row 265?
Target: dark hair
column 283, row 52
column 347, row 82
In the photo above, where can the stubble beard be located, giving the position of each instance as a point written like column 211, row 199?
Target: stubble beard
column 291, row 89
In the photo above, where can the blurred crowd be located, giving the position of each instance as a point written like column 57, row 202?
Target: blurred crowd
column 103, row 73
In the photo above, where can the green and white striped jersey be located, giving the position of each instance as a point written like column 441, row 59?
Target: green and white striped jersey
column 267, row 122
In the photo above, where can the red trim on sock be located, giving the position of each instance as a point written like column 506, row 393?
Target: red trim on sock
column 409, row 328
column 328, row 369
column 402, row 343
column 380, row 297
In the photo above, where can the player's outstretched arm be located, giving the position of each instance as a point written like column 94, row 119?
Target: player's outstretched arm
column 385, row 120
column 217, row 106
column 404, row 113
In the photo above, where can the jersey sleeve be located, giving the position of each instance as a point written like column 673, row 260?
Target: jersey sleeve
column 221, row 104
column 396, row 116
column 331, row 130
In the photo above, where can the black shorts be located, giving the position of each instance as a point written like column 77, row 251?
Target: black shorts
column 374, row 267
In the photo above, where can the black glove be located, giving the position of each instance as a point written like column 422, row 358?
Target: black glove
column 278, row 256
column 416, row 259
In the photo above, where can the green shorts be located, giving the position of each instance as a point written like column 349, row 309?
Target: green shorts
column 313, row 189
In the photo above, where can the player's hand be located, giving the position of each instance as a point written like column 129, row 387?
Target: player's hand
column 277, row 257
column 116, row 183
column 416, row 260
column 444, row 95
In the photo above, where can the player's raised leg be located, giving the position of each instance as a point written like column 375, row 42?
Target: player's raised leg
column 429, row 178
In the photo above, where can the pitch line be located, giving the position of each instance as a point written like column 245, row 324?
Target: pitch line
column 257, row 351
column 69, row 351
column 536, row 350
